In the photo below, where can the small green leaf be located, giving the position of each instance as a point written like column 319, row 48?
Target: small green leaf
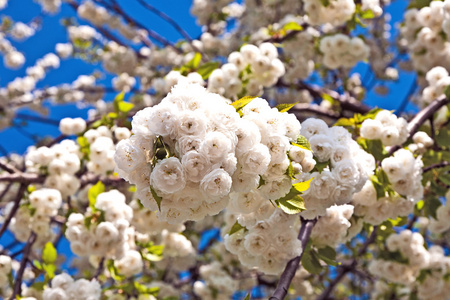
column 328, row 255
column 125, row 107
column 303, row 143
column 49, row 253
column 39, row 286
column 328, row 98
column 367, row 14
column 152, row 257
column 325, row 2
column 443, row 137
column 292, row 26
column 142, row 289
column 236, row 227
column 290, row 171
column 37, row 264
column 247, row 297
column 195, row 61
column 302, row 186
column 93, row 192
column 49, row 269
column 239, row 104
column 310, row 262
column 158, row 199
column 207, row 68
column 284, row 107
column 292, row 206
column 113, row 271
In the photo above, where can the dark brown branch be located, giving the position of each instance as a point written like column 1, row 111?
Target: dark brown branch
column 315, row 109
column 99, row 270
column 344, row 269
column 14, row 209
column 25, row 178
column 292, row 266
column 26, row 252
column 8, row 167
column 435, row 166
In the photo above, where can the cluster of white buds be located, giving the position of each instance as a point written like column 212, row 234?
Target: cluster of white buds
column 105, row 232
column 65, row 287
column 438, row 79
column 442, row 221
column 331, row 229
column 342, row 51
column 217, row 284
column 123, row 82
column 69, row 126
column 405, row 174
column 422, row 142
column 375, row 211
column 21, row 31
column 385, row 127
column 425, row 269
column 193, row 149
column 268, row 245
column 119, row 59
column 336, row 12
column 348, row 167
column 102, row 150
column 12, row 58
column 130, row 263
column 61, row 161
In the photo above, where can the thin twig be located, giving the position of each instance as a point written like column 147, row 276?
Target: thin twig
column 26, row 252
column 14, row 209
column 100, row 268
column 292, row 266
column 435, row 166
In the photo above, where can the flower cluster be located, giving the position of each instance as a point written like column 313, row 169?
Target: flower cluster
column 375, row 211
column 217, row 284
column 422, row 142
column 438, row 79
column 105, row 232
column 69, row 126
column 421, row 267
column 269, row 244
column 5, row 269
column 265, row 69
column 191, row 150
column 61, row 161
column 405, row 174
column 101, row 150
column 336, row 12
column 385, row 127
column 342, row 51
column 347, row 167
column 65, row 287
column 331, row 229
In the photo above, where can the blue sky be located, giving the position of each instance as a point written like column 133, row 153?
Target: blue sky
column 53, row 32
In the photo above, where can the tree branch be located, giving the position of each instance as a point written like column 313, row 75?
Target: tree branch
column 344, row 269
column 13, row 209
column 291, row 267
column 26, row 252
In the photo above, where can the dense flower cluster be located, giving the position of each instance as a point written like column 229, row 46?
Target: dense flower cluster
column 65, row 287
column 106, row 232
column 375, row 211
column 335, row 13
column 386, row 127
column 265, row 69
column 193, row 155
column 268, row 244
column 342, row 51
column 405, row 174
column 347, row 167
column 442, row 222
column 331, row 229
column 217, row 283
column 432, row 263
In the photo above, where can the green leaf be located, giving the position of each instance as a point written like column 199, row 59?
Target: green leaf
column 39, row 286
column 292, row 206
column 125, row 107
column 310, row 262
column 345, row 122
column 235, row 228
column 207, row 68
column 93, row 192
column 325, row 2
column 152, row 257
column 431, row 205
column 302, row 142
column 292, row 26
column 113, row 271
column 195, row 61
column 367, row 14
column 247, row 297
column 328, row 255
column 284, row 107
column 49, row 253
column 49, row 269
column 158, row 199
column 374, row 147
column 328, row 98
column 321, row 165
column 290, row 171
column 261, row 182
column 302, row 186
column 37, row 264
column 142, row 289
column 239, row 104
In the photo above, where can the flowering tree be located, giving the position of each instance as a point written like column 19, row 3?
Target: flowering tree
column 258, row 131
